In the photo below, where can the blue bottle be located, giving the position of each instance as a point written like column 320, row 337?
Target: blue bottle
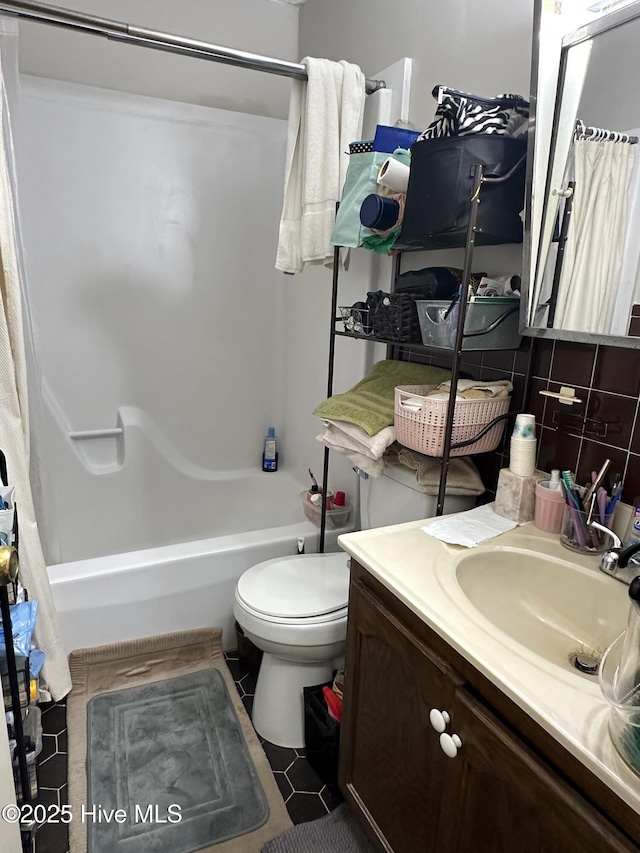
column 270, row 454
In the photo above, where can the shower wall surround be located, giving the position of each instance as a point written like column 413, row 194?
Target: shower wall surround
column 149, row 229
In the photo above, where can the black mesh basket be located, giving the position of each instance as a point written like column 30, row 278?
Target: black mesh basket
column 394, row 317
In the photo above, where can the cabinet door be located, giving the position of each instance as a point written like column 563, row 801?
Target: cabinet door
column 390, row 757
column 499, row 797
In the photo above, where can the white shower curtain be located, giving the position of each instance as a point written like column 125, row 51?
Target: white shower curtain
column 14, row 417
column 593, row 253
column 628, row 285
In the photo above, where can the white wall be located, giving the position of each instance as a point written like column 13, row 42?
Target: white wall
column 483, row 48
column 256, row 26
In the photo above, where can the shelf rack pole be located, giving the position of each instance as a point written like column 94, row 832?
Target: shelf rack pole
column 15, row 695
column 332, row 351
column 462, row 309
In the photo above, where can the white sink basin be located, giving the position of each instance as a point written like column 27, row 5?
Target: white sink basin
column 555, row 608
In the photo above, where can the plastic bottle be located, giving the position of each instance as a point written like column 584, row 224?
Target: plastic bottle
column 633, row 530
column 270, row 455
column 554, row 482
column 314, row 495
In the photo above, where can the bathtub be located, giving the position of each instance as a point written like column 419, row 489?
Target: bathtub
column 171, row 588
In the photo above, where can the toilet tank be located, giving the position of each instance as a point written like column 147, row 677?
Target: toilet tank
column 396, row 497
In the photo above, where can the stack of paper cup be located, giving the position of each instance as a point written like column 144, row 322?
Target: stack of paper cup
column 523, row 446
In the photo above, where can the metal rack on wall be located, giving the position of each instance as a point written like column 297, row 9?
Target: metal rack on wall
column 479, row 178
column 18, row 679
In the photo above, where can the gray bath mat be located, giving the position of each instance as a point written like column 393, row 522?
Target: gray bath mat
column 155, row 723
column 165, row 752
column 338, row 832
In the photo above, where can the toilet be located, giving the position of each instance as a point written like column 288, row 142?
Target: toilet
column 295, row 608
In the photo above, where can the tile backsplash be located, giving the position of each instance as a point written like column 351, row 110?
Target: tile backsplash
column 605, row 425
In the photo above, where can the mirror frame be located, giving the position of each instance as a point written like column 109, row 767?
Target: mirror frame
column 606, row 21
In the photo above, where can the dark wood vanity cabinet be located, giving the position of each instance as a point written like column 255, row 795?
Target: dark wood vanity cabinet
column 497, row 795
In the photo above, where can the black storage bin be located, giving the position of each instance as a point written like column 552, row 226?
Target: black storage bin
column 394, row 316
column 321, row 735
column 441, row 185
column 249, row 655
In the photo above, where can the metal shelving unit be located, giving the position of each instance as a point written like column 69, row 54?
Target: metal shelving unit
column 19, row 693
column 478, row 180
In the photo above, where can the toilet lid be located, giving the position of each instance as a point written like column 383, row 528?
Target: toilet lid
column 293, row 587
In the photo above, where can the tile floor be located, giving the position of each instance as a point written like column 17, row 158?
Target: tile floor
column 305, row 795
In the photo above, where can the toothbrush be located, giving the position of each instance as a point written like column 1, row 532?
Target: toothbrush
column 615, row 497
column 570, row 488
column 602, row 504
column 575, row 508
column 595, row 484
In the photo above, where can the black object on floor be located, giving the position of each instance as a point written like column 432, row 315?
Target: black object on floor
column 249, row 655
column 337, row 832
column 321, row 735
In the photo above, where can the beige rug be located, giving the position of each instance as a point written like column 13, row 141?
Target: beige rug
column 138, row 662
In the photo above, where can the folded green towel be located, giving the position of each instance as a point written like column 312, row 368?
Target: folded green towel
column 369, row 404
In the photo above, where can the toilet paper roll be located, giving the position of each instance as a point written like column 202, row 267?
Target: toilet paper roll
column 522, row 458
column 525, row 426
column 394, row 175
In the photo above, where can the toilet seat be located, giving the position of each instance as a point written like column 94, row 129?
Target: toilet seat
column 298, row 590
column 334, row 616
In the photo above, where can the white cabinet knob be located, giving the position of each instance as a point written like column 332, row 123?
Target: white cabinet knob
column 450, row 744
column 439, row 719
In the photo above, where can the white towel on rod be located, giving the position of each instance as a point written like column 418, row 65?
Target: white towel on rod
column 325, row 115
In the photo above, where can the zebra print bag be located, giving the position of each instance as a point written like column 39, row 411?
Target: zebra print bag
column 460, row 114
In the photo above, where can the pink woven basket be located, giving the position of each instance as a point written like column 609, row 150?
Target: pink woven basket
column 420, row 421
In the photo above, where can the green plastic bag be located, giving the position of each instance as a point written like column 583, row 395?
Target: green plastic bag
column 360, row 182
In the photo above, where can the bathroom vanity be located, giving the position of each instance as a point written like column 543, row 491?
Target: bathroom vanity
column 466, row 726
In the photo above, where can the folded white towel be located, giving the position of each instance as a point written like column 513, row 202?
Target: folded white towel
column 348, row 436
column 471, row 388
column 372, row 467
column 365, row 451
column 325, row 115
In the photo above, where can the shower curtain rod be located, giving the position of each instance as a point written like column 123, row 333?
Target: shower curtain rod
column 120, row 31
column 600, row 134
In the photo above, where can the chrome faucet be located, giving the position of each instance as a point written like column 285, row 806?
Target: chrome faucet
column 615, row 561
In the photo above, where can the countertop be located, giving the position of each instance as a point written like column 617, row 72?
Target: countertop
column 420, row 571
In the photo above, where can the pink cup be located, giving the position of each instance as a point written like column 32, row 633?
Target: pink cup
column 549, row 512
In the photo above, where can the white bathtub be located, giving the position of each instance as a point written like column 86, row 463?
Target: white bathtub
column 172, row 588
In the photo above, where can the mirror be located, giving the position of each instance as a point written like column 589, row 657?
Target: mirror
column 581, row 274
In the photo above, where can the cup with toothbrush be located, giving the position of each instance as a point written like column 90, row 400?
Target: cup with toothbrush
column 585, row 505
